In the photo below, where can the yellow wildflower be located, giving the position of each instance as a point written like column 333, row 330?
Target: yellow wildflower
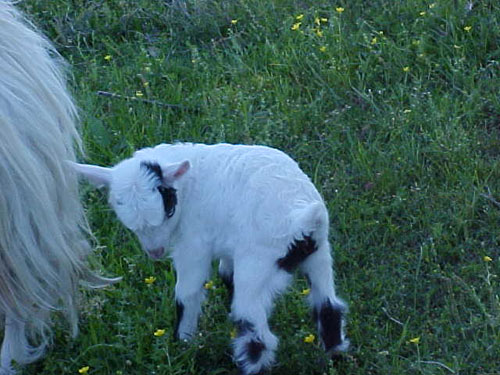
column 415, row 340
column 296, row 26
column 374, row 40
column 299, row 17
column 209, row 285
column 324, row 19
column 159, row 332
column 380, row 32
column 150, row 280
column 339, row 9
column 319, row 32
column 322, row 49
column 145, row 84
column 234, row 22
column 431, row 6
column 306, row 292
column 487, row 258
column 406, row 69
column 317, row 21
column 84, row 370
column 468, row 28
column 234, row 333
column 107, row 57
column 407, row 111
column 309, row 339
column 423, row 13
column 139, row 93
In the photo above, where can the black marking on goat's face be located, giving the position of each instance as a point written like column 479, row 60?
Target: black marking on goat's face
column 180, row 312
column 154, row 169
column 169, row 197
column 329, row 319
column 298, row 251
column 168, row 194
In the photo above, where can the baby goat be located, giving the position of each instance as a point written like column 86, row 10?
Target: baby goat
column 252, row 208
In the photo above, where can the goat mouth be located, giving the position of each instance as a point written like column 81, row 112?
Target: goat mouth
column 156, row 254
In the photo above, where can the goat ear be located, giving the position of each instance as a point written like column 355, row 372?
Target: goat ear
column 173, row 172
column 98, row 176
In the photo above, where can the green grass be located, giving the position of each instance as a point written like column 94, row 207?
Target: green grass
column 395, row 115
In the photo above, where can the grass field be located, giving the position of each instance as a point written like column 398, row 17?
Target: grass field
column 392, row 108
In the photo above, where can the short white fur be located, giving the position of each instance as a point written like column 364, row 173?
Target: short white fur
column 243, row 205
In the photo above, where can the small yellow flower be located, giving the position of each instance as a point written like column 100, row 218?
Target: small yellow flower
column 299, row 17
column 407, row 111
column 415, row 340
column 234, row 22
column 309, row 339
column 324, row 19
column 468, row 28
column 319, row 32
column 84, row 370
column 339, row 9
column 380, row 32
column 296, row 26
column 139, row 93
column 209, row 285
column 234, row 333
column 145, row 84
column 107, row 57
column 432, row 6
column 305, row 292
column 487, row 258
column 322, row 49
column 406, row 69
column 150, row 280
column 317, row 21
column 374, row 40
column 423, row 13
column 159, row 332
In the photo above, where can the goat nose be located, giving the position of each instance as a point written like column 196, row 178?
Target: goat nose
column 156, row 253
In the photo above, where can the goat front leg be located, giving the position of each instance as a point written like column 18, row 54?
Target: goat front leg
column 256, row 282
column 192, row 272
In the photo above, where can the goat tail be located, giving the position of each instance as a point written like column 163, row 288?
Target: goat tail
column 312, row 220
column 43, row 231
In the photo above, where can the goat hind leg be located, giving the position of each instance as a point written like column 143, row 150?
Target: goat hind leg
column 328, row 310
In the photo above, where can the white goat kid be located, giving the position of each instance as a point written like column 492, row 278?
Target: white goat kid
column 249, row 206
column 43, row 242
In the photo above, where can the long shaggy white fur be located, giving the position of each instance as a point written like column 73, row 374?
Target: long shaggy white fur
column 249, row 206
column 43, row 231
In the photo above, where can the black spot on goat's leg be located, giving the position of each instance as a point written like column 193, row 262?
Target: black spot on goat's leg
column 180, row 312
column 329, row 320
column 298, row 251
column 254, row 350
